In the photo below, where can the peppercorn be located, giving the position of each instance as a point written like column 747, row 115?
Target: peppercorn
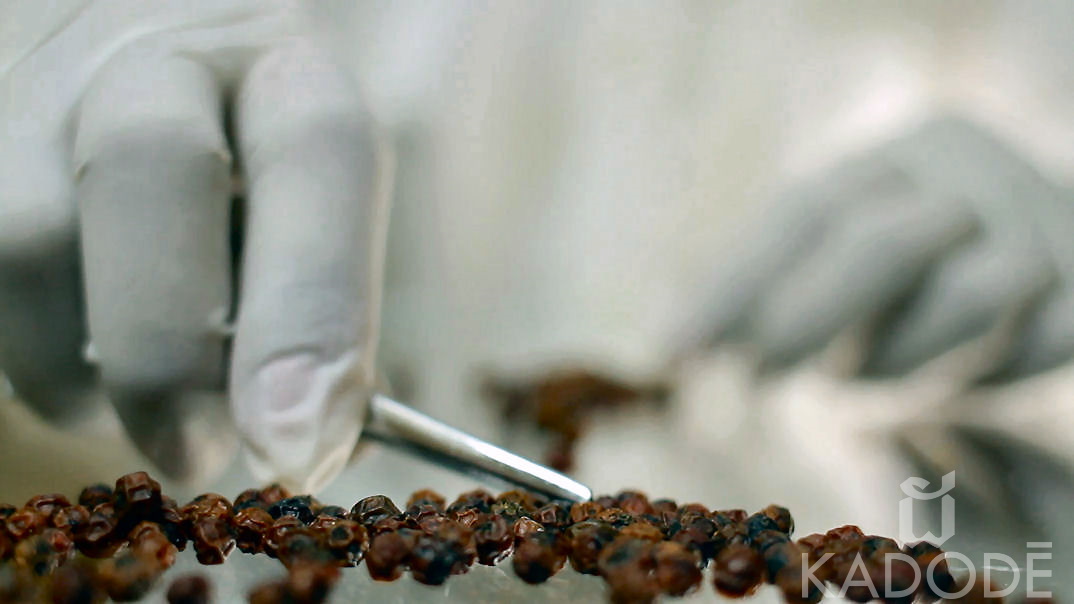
column 212, row 539
column 478, row 499
column 310, row 582
column 372, row 509
column 525, row 501
column 95, row 495
column 634, row 503
column 738, row 570
column 678, row 569
column 585, row 510
column 758, row 523
column 431, row 560
column 190, row 589
column 272, row 592
column 25, row 522
column 554, row 515
column 137, row 496
column 698, row 533
column 524, row 527
column 299, row 506
column 628, row 566
column 273, row 493
column 101, row 537
column 299, row 545
column 781, row 516
column 250, row 498
column 348, row 541
column 736, row 515
column 250, row 525
column 43, row 553
column 74, row 584
column 643, row 531
column 493, row 539
column 126, row 577
column 388, row 553
column 150, row 544
column 47, row 505
column 587, row 539
column 426, row 496
column 615, row 517
column 468, row 518
column 7, row 545
column 208, row 505
column 932, row 564
column 71, row 519
column 537, row 557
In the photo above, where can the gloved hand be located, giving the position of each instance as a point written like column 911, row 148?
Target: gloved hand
column 932, row 239
column 121, row 126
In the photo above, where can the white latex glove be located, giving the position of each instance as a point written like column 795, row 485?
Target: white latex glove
column 933, row 239
column 121, row 123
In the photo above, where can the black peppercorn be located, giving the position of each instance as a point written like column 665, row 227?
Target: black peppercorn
column 94, row 495
column 388, row 554
column 587, row 539
column 300, row 507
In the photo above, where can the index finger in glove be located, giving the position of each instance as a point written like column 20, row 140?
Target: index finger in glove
column 310, row 286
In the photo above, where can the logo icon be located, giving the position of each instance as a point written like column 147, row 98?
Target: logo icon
column 913, row 488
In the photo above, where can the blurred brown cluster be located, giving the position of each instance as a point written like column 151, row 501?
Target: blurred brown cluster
column 562, row 403
column 117, row 542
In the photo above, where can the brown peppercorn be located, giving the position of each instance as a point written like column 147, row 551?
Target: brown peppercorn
column 388, row 554
column 738, row 570
column 95, row 495
column 615, row 517
column 925, row 555
column 628, row 566
column 431, row 560
column 190, row 589
column 537, row 557
column 43, row 553
column 348, row 542
column 426, row 496
column 845, row 533
column 781, row 516
column 250, row 525
column 272, row 592
column 126, row 577
column 493, row 539
column 137, row 496
column 246, row 499
column 554, row 515
column 586, row 510
column 273, row 493
column 74, row 584
column 71, row 519
column 678, row 568
column 587, row 539
column 517, row 503
column 310, row 582
column 523, row 527
column 212, row 539
column 300, row 545
column 698, row 533
column 478, row 500
column 26, row 522
column 47, row 505
column 208, row 504
column 149, row 543
column 372, row 509
column 643, row 531
column 634, row 503
column 102, row 536
column 468, row 518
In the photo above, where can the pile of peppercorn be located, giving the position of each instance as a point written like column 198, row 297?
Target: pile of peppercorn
column 117, row 542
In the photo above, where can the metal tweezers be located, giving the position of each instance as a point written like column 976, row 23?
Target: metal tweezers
column 399, row 426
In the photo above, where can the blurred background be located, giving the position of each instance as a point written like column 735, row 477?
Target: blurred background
column 570, row 175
